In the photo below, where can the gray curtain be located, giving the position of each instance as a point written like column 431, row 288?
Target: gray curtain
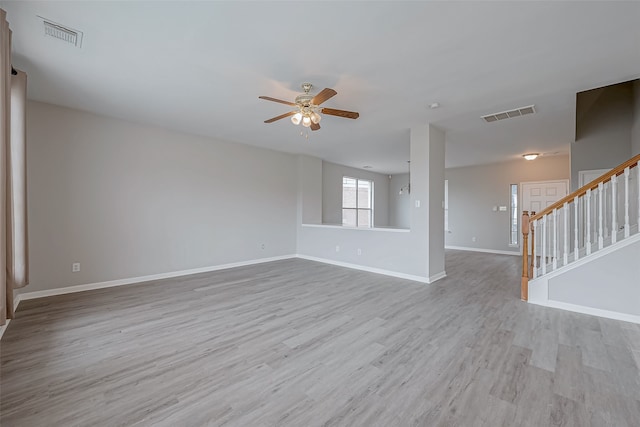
column 13, row 182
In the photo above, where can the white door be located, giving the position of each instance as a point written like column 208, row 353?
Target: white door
column 538, row 195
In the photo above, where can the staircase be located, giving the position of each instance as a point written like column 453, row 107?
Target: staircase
column 588, row 237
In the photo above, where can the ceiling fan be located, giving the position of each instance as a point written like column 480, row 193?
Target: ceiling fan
column 307, row 108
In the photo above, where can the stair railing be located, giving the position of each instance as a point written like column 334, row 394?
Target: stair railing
column 591, row 218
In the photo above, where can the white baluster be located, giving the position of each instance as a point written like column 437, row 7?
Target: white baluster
column 576, row 243
column 614, row 214
column 543, row 259
column 533, row 246
column 555, row 239
column 627, row 229
column 600, row 232
column 565, row 229
column 588, row 240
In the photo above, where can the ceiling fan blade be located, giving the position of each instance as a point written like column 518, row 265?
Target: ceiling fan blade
column 323, row 96
column 314, row 126
column 341, row 113
column 281, row 116
column 268, row 98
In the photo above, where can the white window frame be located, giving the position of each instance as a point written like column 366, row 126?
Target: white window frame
column 514, row 215
column 446, row 205
column 357, row 208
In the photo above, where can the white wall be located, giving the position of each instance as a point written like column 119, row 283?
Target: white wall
column 475, row 190
column 332, row 175
column 635, row 128
column 127, row 200
column 399, row 203
column 603, row 129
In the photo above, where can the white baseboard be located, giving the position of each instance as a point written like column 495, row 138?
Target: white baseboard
column 16, row 302
column 4, row 328
column 140, row 279
column 438, row 276
column 369, row 269
column 489, row 251
column 589, row 310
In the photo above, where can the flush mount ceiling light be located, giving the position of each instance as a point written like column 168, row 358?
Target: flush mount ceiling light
column 531, row 156
column 308, row 110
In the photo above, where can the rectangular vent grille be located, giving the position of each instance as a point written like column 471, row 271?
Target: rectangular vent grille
column 522, row 111
column 60, row 32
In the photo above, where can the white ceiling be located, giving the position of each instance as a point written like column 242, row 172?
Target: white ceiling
column 200, row 66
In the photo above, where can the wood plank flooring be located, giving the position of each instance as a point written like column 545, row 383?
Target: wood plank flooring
column 299, row 343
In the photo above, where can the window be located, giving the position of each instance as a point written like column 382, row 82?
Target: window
column 446, row 205
column 513, row 217
column 357, row 202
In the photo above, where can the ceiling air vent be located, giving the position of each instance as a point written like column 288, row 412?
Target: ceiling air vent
column 522, row 111
column 60, row 32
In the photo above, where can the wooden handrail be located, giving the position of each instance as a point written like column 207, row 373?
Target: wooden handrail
column 618, row 170
column 524, row 282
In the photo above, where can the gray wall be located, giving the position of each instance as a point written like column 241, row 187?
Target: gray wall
column 332, row 193
column 435, row 200
column 399, row 203
column 635, row 128
column 604, row 119
column 127, row 200
column 309, row 190
column 405, row 252
column 584, row 285
column 474, row 190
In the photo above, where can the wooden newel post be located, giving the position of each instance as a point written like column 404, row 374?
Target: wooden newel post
column 524, row 285
column 532, row 262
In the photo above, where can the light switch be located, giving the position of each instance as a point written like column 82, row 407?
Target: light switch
column 503, row 208
column 417, row 203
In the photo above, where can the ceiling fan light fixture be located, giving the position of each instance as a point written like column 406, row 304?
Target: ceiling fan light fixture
column 307, row 110
column 295, row 119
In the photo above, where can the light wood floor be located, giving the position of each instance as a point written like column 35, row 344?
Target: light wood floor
column 299, row 343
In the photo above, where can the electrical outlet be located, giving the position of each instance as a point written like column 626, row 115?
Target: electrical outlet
column 359, row 251
column 262, row 246
column 337, row 248
column 75, row 267
column 473, row 239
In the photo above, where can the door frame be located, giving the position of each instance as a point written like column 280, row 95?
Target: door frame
column 582, row 174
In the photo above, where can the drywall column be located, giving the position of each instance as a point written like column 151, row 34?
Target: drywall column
column 427, row 197
column 635, row 127
column 309, row 190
